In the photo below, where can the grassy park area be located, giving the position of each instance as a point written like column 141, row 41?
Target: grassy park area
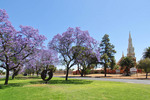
column 58, row 89
column 84, row 44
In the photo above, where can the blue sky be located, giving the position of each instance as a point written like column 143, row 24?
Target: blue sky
column 113, row 17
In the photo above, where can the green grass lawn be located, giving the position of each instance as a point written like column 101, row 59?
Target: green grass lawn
column 73, row 89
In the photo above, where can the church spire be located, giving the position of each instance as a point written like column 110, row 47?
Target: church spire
column 130, row 49
column 122, row 54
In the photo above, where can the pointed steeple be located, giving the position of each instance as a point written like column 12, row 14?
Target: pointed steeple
column 122, row 54
column 130, row 49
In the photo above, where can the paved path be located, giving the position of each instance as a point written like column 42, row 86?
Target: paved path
column 116, row 80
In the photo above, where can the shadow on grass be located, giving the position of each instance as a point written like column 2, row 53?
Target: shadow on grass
column 75, row 82
column 72, row 81
column 2, row 79
column 27, row 77
column 2, row 86
column 11, row 85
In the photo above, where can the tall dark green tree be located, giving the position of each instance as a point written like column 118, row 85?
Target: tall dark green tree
column 112, row 63
column 147, row 53
column 107, row 52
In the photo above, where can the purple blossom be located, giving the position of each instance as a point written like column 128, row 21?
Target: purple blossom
column 42, row 59
column 17, row 46
column 64, row 44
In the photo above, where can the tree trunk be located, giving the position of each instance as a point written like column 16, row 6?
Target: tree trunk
column 13, row 76
column 7, row 76
column 67, row 74
column 82, row 74
column 80, row 71
column 37, row 73
column 127, row 72
column 146, row 75
column 32, row 74
column 105, row 70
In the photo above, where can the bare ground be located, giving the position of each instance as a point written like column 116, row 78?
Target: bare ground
column 141, row 76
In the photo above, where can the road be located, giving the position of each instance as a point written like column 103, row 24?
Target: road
column 115, row 80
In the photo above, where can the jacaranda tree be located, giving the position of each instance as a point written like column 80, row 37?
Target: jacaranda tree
column 63, row 45
column 16, row 46
column 42, row 60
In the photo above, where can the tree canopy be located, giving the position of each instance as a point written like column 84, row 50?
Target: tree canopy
column 145, row 64
column 126, row 63
column 72, row 37
column 147, row 53
column 16, row 46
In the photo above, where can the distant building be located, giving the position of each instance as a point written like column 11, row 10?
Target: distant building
column 130, row 50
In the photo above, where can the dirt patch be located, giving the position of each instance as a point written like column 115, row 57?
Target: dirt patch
column 35, row 85
column 40, row 85
column 139, row 76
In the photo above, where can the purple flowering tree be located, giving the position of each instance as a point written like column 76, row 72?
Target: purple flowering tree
column 42, row 60
column 64, row 44
column 16, row 46
column 86, row 51
column 48, row 57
